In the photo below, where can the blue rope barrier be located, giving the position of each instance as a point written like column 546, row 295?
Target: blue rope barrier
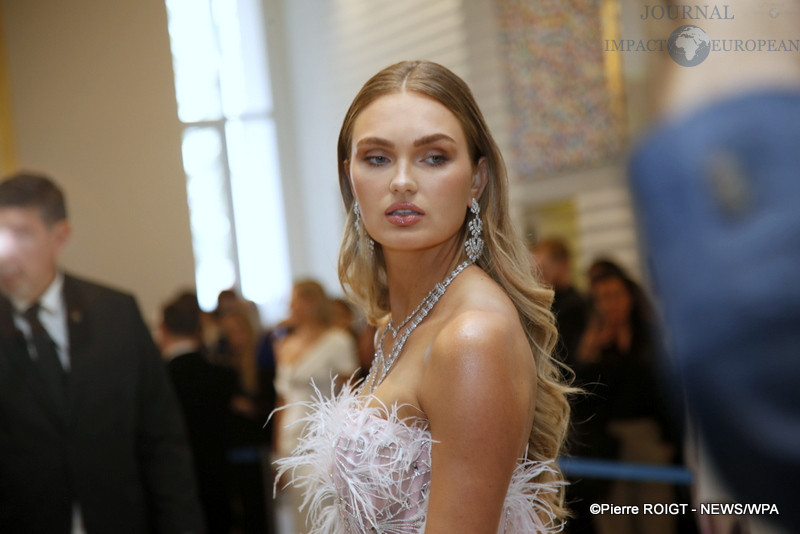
column 610, row 469
column 243, row 455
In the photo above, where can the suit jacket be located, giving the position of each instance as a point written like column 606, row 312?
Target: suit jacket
column 117, row 446
column 204, row 392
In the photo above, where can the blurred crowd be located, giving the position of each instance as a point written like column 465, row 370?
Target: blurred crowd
column 610, row 346
column 230, row 373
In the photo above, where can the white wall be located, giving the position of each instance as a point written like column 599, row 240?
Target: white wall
column 93, row 105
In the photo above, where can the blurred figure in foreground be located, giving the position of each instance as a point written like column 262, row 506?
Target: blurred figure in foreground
column 204, row 391
column 313, row 351
column 717, row 187
column 91, row 436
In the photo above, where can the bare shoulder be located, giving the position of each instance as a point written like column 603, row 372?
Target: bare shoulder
column 480, row 353
column 474, row 333
column 482, row 320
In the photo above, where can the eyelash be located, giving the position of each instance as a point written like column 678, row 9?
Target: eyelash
column 442, row 159
column 379, row 161
column 373, row 160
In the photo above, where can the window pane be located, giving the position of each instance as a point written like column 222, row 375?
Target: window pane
column 195, row 59
column 233, row 183
column 212, row 231
column 245, row 82
column 258, row 209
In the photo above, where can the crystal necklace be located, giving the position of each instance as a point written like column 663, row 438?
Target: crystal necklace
column 430, row 296
column 382, row 363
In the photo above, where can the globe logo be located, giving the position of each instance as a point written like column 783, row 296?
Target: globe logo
column 689, row 46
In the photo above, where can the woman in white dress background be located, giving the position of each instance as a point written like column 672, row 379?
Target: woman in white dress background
column 313, row 350
column 463, row 387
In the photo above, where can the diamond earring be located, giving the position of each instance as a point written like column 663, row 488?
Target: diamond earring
column 474, row 244
column 357, row 224
column 357, row 213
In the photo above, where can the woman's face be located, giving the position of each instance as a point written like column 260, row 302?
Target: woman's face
column 300, row 308
column 411, row 172
column 613, row 300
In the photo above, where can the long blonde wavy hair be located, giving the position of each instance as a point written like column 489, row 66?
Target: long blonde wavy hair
column 363, row 272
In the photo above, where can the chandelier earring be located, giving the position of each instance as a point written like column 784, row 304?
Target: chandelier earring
column 357, row 224
column 474, row 244
column 357, row 213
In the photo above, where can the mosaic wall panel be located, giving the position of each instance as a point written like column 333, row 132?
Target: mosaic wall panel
column 561, row 109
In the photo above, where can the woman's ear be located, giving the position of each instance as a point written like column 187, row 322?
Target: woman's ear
column 480, row 177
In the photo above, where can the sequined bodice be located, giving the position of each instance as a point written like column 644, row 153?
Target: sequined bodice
column 381, row 473
column 364, row 469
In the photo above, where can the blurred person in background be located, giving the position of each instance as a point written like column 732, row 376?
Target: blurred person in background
column 205, row 391
column 717, row 192
column 91, row 435
column 342, row 315
column 228, row 300
column 250, row 406
column 256, row 380
column 552, row 257
column 363, row 333
column 312, row 354
column 625, row 416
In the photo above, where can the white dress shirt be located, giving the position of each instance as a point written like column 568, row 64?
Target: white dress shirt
column 52, row 315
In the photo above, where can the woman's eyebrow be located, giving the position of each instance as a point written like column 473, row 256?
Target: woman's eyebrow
column 422, row 141
column 378, row 141
column 428, row 139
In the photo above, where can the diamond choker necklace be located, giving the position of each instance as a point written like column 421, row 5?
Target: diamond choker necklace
column 382, row 364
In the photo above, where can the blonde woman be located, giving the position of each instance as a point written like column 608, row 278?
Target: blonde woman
column 245, row 435
column 457, row 425
column 311, row 355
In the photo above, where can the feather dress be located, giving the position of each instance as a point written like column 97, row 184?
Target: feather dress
column 364, row 470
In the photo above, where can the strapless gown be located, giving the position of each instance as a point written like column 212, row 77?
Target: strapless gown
column 364, row 470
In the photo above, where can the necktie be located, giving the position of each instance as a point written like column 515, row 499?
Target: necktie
column 46, row 354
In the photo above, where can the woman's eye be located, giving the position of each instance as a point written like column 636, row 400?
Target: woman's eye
column 436, row 159
column 376, row 161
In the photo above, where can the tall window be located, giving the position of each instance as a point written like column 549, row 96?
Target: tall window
column 230, row 151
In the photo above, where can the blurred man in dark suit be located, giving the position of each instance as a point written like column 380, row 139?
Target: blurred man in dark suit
column 91, row 439
column 204, row 391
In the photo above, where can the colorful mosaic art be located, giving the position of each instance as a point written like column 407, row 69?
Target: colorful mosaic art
column 561, row 109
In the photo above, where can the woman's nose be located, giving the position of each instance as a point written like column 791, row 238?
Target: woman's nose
column 403, row 180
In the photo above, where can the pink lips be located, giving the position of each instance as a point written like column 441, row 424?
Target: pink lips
column 404, row 214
